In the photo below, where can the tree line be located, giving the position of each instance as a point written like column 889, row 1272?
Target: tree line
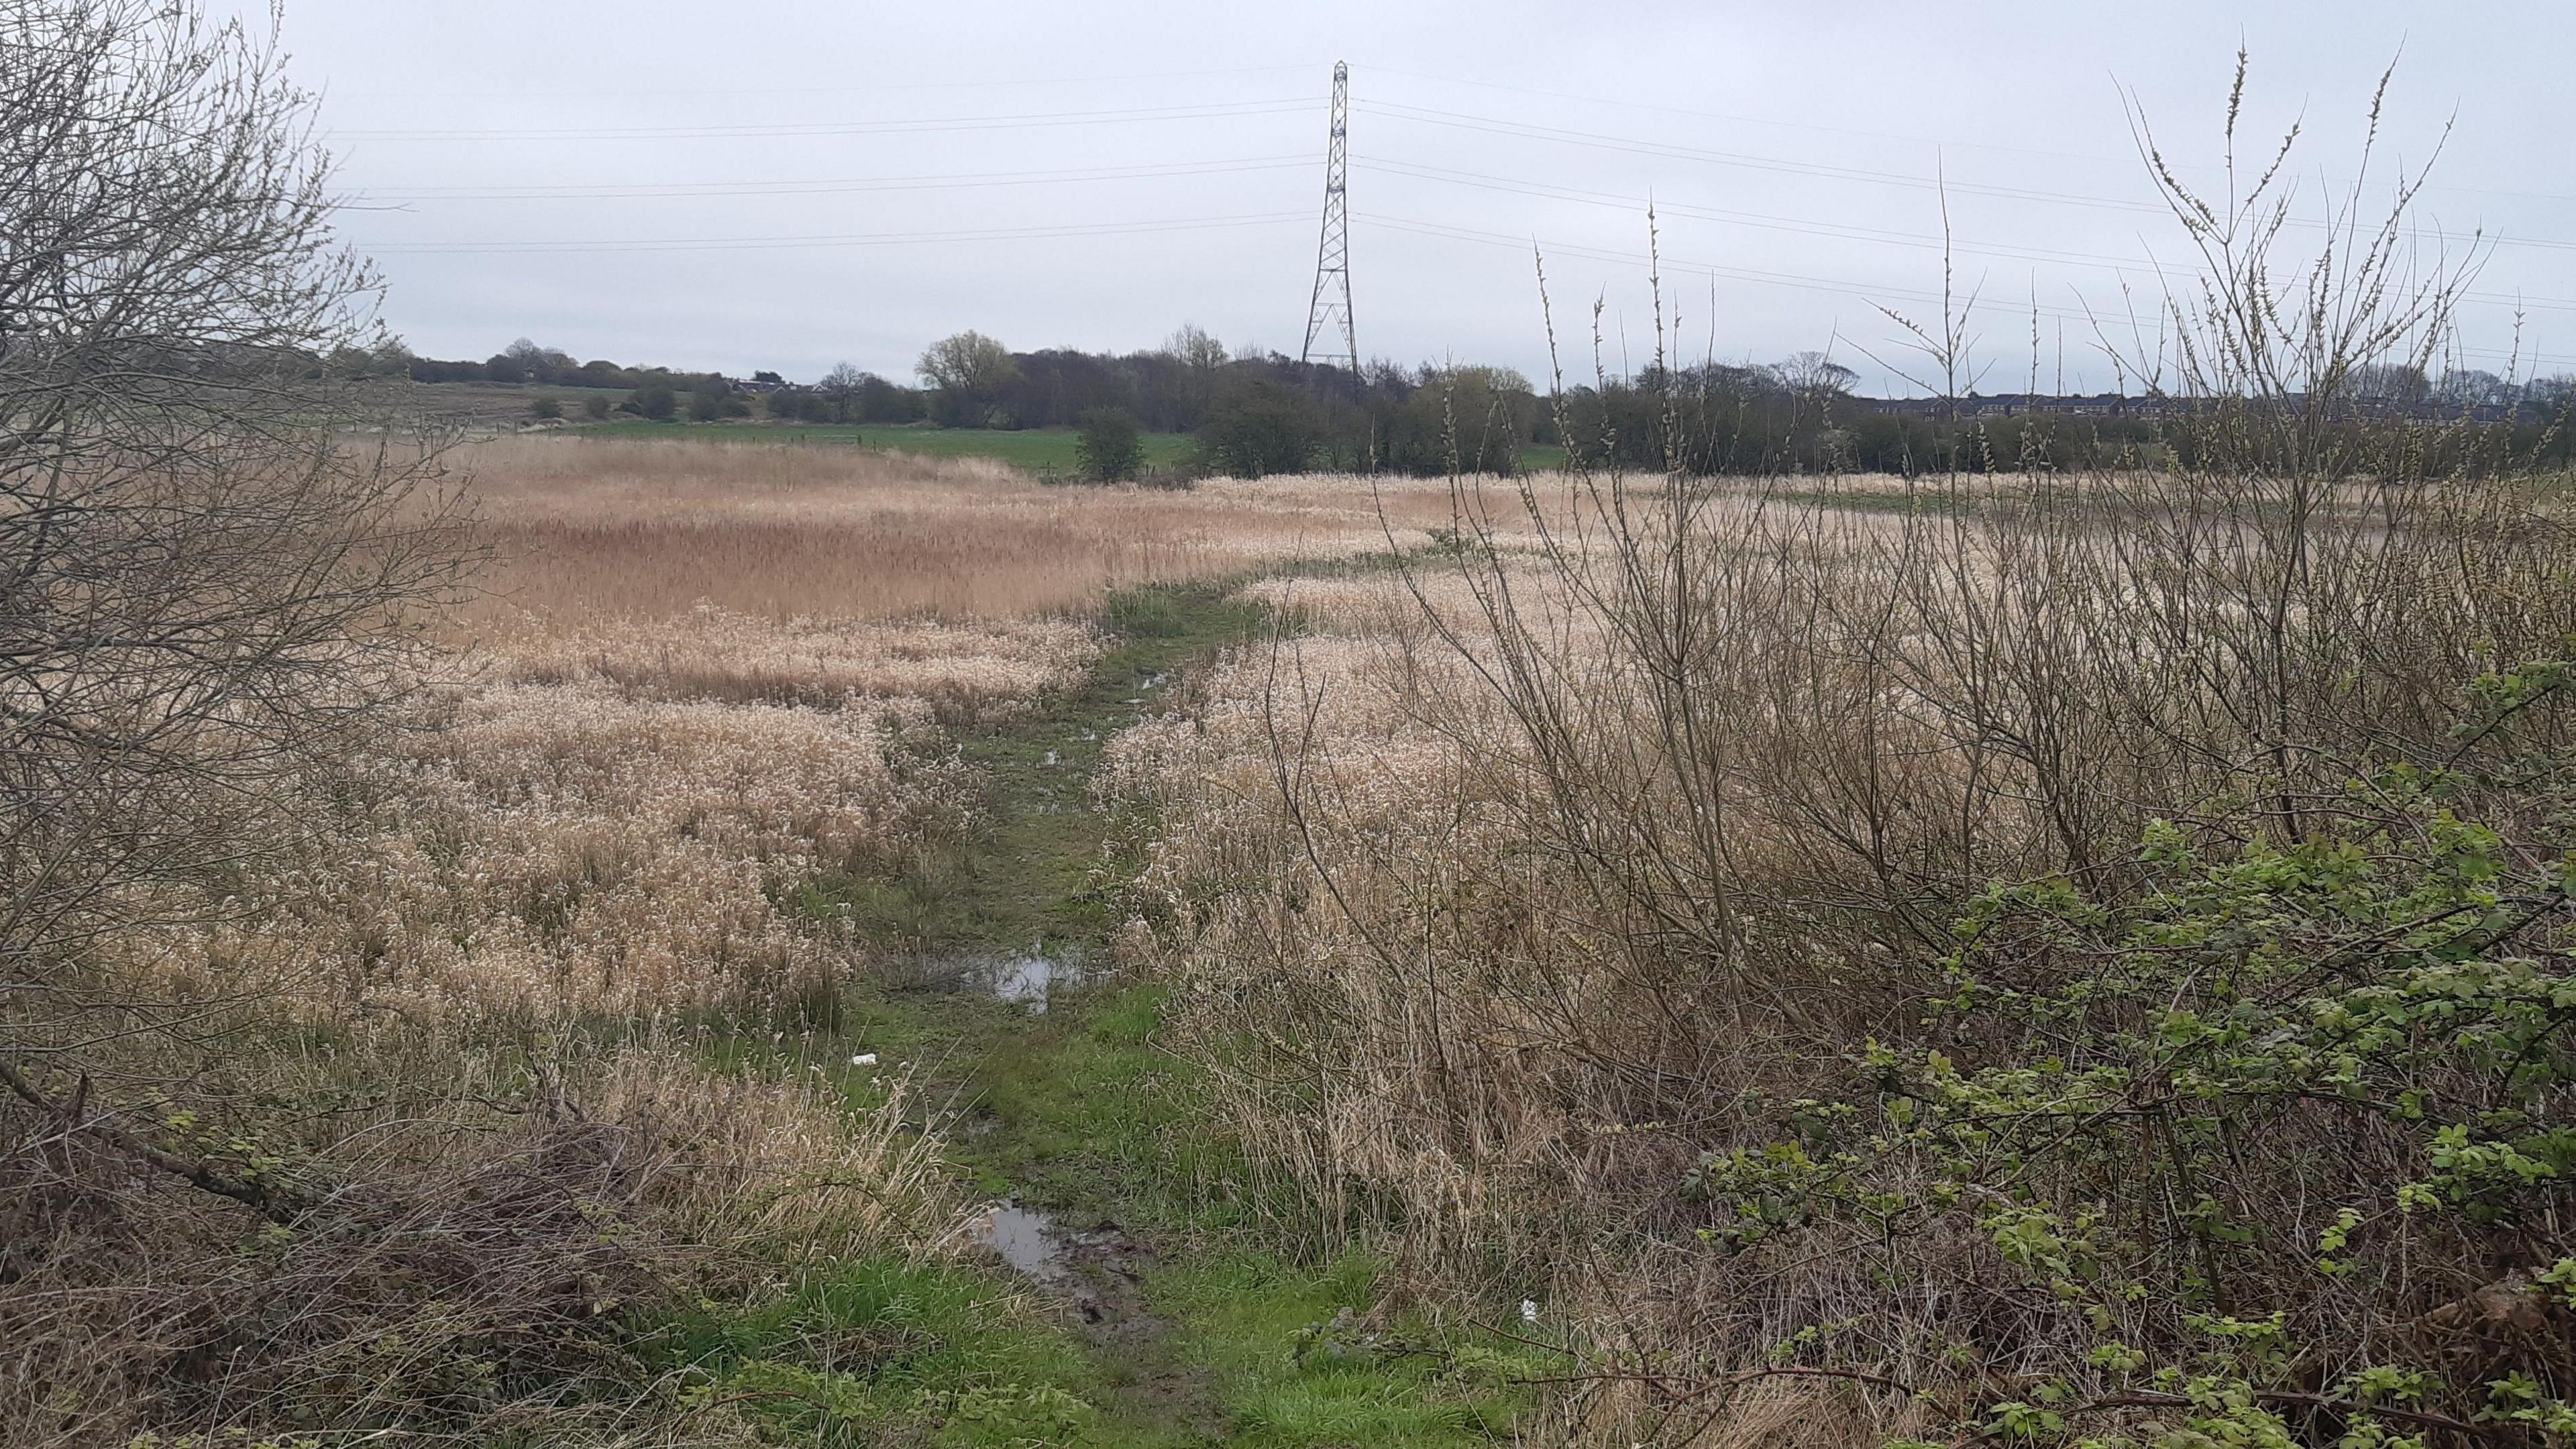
column 1256, row 412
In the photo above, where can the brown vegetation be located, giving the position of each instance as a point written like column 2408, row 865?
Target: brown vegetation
column 647, row 529
column 1517, row 891
column 2036, row 956
column 701, row 673
column 2004, row 957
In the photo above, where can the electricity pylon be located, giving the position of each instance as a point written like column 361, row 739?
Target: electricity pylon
column 1330, row 312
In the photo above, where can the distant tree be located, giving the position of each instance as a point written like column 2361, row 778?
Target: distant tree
column 1260, row 430
column 2472, row 387
column 966, row 373
column 1813, row 375
column 1181, row 390
column 1110, row 447
column 881, row 401
column 539, row 364
column 595, row 407
column 712, row 402
column 546, row 409
column 1192, row 346
column 1465, row 416
column 2388, row 382
column 966, row 362
column 656, row 402
column 773, row 379
column 840, row 390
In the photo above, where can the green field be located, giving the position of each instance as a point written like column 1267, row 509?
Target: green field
column 1038, row 450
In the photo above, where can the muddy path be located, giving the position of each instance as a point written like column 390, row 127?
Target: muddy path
column 1005, row 976
column 1207, row 1306
column 1094, row 1267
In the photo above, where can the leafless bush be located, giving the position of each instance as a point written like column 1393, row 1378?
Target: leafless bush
column 204, row 598
column 1608, row 865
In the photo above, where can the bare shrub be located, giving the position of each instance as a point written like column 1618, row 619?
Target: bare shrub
column 1909, row 937
column 205, row 601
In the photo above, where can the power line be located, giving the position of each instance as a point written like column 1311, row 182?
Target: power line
column 1636, row 105
column 1951, row 144
column 1227, row 110
column 1598, row 141
column 610, row 191
column 871, row 88
column 1389, row 166
column 1926, row 241
column 1528, row 245
column 1214, row 110
column 688, row 244
column 1500, row 126
column 1866, row 292
column 1412, row 170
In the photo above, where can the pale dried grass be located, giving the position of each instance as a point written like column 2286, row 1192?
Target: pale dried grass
column 563, row 850
column 954, row 670
column 1313, row 778
column 559, row 853
column 810, row 575
column 587, row 528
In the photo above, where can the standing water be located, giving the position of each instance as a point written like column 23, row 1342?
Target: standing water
column 1017, row 978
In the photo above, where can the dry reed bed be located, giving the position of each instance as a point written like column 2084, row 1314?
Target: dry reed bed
column 557, row 851
column 638, row 529
column 703, row 674
column 1520, row 883
column 1347, row 739
column 704, row 670
column 812, row 575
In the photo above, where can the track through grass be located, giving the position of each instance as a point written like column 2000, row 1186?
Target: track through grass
column 1183, row 1316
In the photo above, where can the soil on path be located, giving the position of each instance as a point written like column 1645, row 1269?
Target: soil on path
column 1009, row 939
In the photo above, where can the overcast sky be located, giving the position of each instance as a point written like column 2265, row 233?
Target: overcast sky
column 790, row 184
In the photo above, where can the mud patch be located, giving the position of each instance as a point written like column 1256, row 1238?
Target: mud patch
column 1097, row 1271
column 1026, row 1239
column 1016, row 978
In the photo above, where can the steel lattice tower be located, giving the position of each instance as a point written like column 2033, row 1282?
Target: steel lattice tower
column 1330, row 312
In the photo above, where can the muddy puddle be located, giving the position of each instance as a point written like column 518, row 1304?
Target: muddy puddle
column 1093, row 1270
column 1015, row 978
column 1027, row 1240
